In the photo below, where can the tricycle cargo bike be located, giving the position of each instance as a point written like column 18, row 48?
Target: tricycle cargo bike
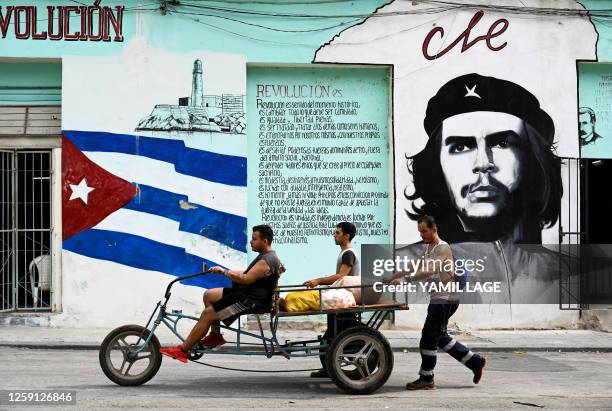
column 358, row 359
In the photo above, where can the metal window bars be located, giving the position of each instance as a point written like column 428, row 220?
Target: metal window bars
column 572, row 233
column 25, row 230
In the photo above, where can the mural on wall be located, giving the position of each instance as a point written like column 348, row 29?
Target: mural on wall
column 319, row 154
column 478, row 126
column 586, row 124
column 488, row 171
column 200, row 112
column 176, row 204
column 595, row 111
column 460, row 72
column 175, row 197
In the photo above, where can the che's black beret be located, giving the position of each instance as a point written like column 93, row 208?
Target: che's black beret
column 473, row 92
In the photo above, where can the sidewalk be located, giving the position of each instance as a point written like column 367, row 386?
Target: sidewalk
column 488, row 341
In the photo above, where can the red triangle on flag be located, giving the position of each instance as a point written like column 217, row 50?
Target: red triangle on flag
column 89, row 192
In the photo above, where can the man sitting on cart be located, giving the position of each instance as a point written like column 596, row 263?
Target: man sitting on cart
column 251, row 290
column 347, row 264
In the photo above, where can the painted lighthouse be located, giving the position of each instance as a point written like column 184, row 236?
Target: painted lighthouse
column 197, row 85
column 199, row 112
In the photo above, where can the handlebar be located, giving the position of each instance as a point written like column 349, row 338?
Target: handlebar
column 204, row 272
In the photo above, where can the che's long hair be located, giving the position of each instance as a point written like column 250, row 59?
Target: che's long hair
column 539, row 194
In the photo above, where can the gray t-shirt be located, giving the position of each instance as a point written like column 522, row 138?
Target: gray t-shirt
column 349, row 257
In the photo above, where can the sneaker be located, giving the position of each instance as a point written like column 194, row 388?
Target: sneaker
column 213, row 340
column 175, row 352
column 322, row 373
column 478, row 372
column 421, row 384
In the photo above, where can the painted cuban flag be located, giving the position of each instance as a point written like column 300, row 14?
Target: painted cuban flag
column 154, row 204
column 154, row 175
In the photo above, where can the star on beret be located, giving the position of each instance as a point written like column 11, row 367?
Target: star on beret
column 471, row 92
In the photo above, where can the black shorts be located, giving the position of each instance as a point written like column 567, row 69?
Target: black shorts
column 232, row 305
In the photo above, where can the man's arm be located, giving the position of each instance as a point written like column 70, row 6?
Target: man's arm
column 346, row 266
column 345, row 270
column 259, row 270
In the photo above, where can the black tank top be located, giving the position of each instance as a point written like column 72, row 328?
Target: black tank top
column 261, row 290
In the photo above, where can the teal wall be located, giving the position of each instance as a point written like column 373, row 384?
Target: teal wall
column 30, row 83
column 259, row 37
column 603, row 27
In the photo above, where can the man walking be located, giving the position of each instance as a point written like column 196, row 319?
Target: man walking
column 438, row 267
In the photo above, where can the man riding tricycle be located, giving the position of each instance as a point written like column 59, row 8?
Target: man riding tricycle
column 358, row 359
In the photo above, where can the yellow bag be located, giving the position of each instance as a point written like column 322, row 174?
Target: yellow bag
column 302, row 301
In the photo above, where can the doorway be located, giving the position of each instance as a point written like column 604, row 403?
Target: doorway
column 25, row 230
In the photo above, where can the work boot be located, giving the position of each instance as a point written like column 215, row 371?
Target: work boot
column 322, row 373
column 479, row 371
column 421, row 384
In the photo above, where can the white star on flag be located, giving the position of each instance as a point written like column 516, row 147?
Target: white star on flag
column 471, row 92
column 81, row 191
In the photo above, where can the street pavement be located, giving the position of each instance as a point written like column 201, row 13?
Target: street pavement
column 513, row 380
column 400, row 340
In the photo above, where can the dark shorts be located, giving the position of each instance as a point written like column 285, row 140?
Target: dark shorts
column 232, row 305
